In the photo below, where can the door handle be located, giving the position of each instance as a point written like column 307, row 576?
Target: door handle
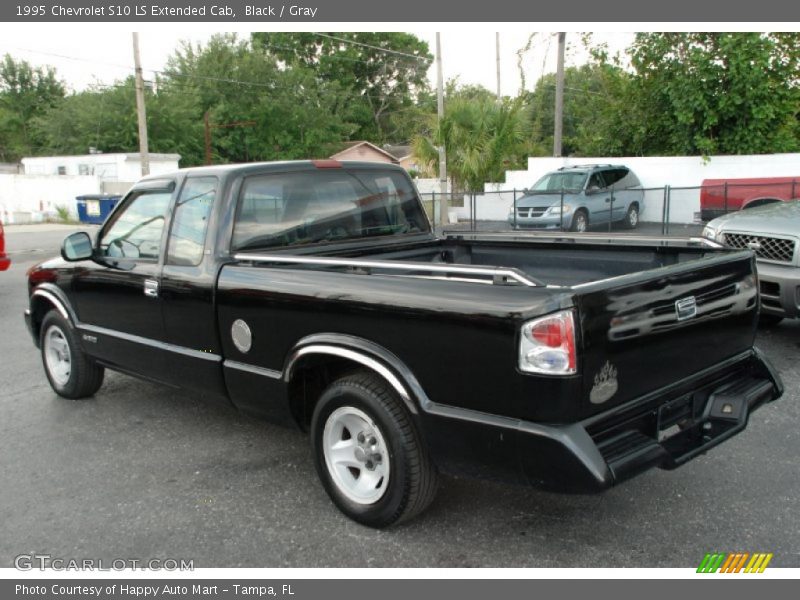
column 608, row 200
column 151, row 288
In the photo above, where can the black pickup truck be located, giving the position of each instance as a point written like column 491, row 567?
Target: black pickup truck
column 314, row 293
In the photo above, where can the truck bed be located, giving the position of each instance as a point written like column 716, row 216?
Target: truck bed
column 555, row 261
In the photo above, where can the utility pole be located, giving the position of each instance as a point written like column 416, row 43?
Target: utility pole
column 497, row 51
column 208, row 126
column 144, row 155
column 443, row 204
column 559, row 121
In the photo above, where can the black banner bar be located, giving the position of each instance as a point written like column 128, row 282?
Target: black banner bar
column 364, row 11
column 730, row 588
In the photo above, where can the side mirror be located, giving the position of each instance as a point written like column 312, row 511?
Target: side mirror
column 77, row 246
column 592, row 189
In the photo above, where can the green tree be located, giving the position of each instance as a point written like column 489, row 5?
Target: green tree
column 715, row 93
column 295, row 114
column 482, row 139
column 384, row 73
column 105, row 118
column 26, row 92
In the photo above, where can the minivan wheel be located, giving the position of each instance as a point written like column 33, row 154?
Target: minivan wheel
column 632, row 218
column 368, row 453
column 71, row 373
column 580, row 222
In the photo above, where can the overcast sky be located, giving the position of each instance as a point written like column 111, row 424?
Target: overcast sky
column 88, row 54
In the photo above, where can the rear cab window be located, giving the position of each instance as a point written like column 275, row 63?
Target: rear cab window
column 296, row 208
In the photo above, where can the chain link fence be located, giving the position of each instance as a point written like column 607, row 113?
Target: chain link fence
column 667, row 210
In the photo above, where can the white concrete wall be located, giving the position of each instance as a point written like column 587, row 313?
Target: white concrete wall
column 654, row 172
column 34, row 198
column 108, row 167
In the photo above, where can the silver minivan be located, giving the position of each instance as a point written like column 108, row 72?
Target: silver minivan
column 592, row 195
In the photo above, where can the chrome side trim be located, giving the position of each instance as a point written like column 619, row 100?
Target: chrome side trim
column 240, row 366
column 493, row 272
column 358, row 357
column 56, row 302
column 148, row 342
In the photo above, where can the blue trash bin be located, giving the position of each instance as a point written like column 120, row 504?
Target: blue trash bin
column 94, row 208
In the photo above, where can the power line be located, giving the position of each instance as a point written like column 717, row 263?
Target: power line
column 378, row 48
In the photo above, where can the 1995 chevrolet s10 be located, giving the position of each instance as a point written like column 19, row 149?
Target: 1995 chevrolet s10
column 314, row 293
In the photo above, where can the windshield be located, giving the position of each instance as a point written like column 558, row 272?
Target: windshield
column 287, row 209
column 555, row 182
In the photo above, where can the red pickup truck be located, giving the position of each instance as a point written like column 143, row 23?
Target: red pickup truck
column 721, row 196
column 5, row 262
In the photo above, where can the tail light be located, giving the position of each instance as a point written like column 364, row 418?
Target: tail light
column 547, row 345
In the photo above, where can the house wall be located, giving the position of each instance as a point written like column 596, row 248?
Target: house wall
column 33, row 198
column 654, row 172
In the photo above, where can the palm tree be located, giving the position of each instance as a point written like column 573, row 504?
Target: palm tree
column 482, row 139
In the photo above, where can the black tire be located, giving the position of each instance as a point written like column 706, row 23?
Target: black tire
column 85, row 376
column 412, row 477
column 580, row 222
column 631, row 217
column 767, row 320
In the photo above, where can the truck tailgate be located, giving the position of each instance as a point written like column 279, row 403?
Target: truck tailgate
column 644, row 331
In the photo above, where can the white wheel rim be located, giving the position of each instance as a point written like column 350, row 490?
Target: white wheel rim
column 580, row 224
column 57, row 355
column 356, row 455
column 634, row 217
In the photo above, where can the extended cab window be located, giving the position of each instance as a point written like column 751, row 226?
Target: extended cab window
column 135, row 232
column 285, row 209
column 189, row 224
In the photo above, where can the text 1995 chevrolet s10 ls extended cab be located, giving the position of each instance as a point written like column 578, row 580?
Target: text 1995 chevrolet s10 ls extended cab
column 315, row 293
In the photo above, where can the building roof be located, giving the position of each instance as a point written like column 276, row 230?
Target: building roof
column 127, row 155
column 356, row 144
column 399, row 151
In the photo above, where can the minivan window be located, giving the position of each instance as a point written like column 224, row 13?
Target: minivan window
column 287, row 209
column 555, row 182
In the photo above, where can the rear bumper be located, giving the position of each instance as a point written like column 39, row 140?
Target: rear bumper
column 779, row 287
column 663, row 430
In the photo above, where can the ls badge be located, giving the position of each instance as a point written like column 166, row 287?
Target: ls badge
column 605, row 384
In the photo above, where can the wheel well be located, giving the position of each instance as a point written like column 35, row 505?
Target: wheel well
column 760, row 202
column 40, row 306
column 311, row 376
column 634, row 203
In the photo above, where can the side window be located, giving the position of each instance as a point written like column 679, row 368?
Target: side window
column 595, row 182
column 615, row 177
column 187, row 238
column 135, row 232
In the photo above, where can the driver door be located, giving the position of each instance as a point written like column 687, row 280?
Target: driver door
column 118, row 297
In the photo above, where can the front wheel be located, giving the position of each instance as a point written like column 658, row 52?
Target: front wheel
column 580, row 222
column 368, row 453
column 71, row 373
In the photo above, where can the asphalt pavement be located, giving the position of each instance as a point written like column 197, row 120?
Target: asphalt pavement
column 143, row 471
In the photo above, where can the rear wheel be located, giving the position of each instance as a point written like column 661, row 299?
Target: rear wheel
column 368, row 453
column 632, row 217
column 71, row 373
column 580, row 222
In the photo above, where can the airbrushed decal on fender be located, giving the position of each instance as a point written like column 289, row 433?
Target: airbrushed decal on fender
column 605, row 384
